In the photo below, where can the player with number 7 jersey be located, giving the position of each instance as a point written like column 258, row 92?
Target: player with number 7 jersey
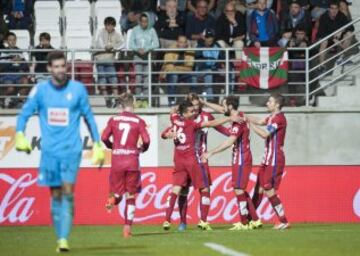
column 129, row 139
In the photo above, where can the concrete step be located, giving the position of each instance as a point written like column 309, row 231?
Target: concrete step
column 326, row 101
column 348, row 96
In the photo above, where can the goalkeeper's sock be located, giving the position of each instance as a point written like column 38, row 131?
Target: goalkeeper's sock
column 183, row 204
column 278, row 207
column 204, row 205
column 251, row 207
column 129, row 211
column 171, row 205
column 243, row 208
column 56, row 215
column 67, row 213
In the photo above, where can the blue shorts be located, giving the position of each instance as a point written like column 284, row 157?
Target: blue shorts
column 54, row 170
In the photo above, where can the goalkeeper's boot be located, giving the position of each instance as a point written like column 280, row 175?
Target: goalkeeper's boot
column 282, row 226
column 182, row 227
column 204, row 225
column 127, row 231
column 166, row 225
column 255, row 224
column 239, row 226
column 63, row 245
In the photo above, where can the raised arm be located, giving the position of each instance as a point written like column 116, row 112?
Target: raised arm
column 168, row 133
column 213, row 106
column 255, row 120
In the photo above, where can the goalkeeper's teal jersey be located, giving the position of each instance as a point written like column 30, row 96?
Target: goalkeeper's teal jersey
column 59, row 112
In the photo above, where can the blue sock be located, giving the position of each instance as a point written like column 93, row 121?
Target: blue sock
column 67, row 213
column 56, row 215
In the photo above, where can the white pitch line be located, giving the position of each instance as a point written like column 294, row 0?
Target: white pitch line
column 224, row 250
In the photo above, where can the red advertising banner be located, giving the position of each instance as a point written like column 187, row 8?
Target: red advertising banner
column 309, row 194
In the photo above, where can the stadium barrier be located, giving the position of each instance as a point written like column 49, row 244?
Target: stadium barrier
column 331, row 195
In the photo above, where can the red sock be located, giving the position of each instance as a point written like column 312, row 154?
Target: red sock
column 204, row 205
column 183, row 203
column 278, row 207
column 243, row 208
column 171, row 206
column 129, row 211
column 251, row 207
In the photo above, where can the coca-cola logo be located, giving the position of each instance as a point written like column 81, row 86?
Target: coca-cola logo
column 14, row 206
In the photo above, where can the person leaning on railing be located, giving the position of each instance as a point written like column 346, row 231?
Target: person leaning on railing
column 331, row 21
column 109, row 40
column 175, row 68
column 11, row 63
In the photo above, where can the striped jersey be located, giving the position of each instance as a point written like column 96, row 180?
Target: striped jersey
column 241, row 149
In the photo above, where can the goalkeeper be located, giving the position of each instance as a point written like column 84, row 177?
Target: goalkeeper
column 59, row 103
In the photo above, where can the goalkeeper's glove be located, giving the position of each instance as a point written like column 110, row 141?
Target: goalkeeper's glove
column 21, row 143
column 98, row 154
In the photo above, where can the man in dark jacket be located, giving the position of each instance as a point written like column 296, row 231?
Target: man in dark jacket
column 330, row 22
column 231, row 28
column 296, row 16
column 170, row 24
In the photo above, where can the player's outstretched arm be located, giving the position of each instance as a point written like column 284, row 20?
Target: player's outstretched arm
column 255, row 120
column 220, row 128
column 259, row 131
column 225, row 145
column 168, row 133
column 30, row 107
column 215, row 122
column 217, row 108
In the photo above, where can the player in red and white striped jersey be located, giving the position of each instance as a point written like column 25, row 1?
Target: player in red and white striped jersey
column 273, row 163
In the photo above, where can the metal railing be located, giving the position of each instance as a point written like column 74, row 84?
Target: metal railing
column 159, row 86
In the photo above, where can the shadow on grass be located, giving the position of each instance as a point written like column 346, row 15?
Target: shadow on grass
column 111, row 248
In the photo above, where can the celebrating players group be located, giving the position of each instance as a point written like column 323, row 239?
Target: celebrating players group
column 61, row 102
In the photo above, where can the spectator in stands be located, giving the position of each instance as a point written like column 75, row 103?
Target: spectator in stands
column 231, row 28
column 3, row 30
column 109, row 40
column 263, row 28
column 132, row 10
column 193, row 9
column 40, row 57
column 170, row 24
column 174, row 63
column 296, row 16
column 284, row 6
column 319, row 7
column 12, row 62
column 240, row 6
column 329, row 22
column 344, row 8
column 181, row 5
column 197, row 23
column 19, row 14
column 143, row 40
column 211, row 64
column 298, row 40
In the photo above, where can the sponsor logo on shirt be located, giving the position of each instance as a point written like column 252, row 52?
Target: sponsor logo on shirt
column 58, row 116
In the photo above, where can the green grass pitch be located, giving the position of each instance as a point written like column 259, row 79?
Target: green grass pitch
column 301, row 239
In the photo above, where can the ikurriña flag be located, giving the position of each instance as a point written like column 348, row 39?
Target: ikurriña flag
column 264, row 68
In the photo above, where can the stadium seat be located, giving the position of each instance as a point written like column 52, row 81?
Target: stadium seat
column 55, row 38
column 104, row 9
column 79, row 40
column 47, row 15
column 77, row 15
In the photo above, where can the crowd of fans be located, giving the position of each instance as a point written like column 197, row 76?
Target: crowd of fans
column 211, row 24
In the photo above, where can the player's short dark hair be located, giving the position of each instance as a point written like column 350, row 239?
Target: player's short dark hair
column 183, row 107
column 334, row 2
column 144, row 15
column 10, row 34
column 233, row 101
column 126, row 100
column 110, row 21
column 45, row 36
column 279, row 99
column 55, row 55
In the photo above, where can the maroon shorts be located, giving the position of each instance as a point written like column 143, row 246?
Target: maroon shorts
column 125, row 181
column 270, row 176
column 240, row 176
column 193, row 173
